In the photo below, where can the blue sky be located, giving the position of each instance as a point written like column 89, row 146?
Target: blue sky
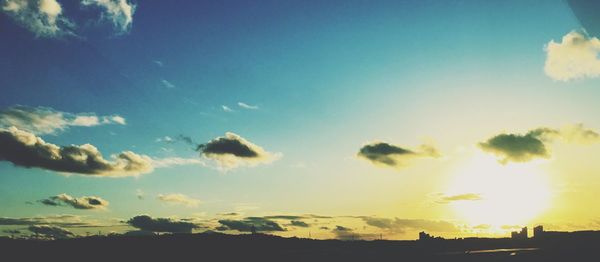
column 322, row 78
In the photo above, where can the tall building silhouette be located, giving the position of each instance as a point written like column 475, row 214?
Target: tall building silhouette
column 538, row 231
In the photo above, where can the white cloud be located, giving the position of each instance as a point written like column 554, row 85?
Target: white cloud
column 176, row 161
column 575, row 57
column 119, row 12
column 179, row 199
column 247, row 106
column 167, row 84
column 166, row 139
column 42, row 17
column 226, row 108
column 45, row 120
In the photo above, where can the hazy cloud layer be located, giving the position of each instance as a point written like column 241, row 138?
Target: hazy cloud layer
column 27, row 150
column 118, row 12
column 147, row 223
column 260, row 224
column 53, row 232
column 232, row 150
column 534, row 144
column 85, row 202
column 45, row 120
column 57, row 220
column 44, row 18
column 401, row 225
column 298, row 223
column 388, row 155
column 179, row 199
column 575, row 57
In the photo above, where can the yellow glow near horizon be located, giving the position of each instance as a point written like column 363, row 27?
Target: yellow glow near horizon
column 512, row 194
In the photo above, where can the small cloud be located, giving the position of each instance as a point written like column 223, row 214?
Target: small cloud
column 158, row 63
column 45, row 120
column 232, row 151
column 27, row 150
column 388, row 155
column 460, row 197
column 139, row 194
column 147, row 223
column 179, row 199
column 575, row 57
column 167, row 84
column 86, row 202
column 119, row 12
column 165, row 139
column 247, row 106
column 226, row 108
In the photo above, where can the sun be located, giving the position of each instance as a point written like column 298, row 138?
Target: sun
column 511, row 194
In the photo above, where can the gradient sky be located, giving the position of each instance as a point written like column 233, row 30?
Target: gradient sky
column 320, row 79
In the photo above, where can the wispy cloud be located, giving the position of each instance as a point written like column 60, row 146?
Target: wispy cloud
column 179, row 199
column 460, row 197
column 226, row 108
column 45, row 120
column 85, row 202
column 247, row 106
column 167, row 84
column 176, row 161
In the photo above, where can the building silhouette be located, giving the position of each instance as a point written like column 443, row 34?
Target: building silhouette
column 519, row 234
column 538, row 232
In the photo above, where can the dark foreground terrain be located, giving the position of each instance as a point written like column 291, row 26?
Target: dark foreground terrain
column 259, row 247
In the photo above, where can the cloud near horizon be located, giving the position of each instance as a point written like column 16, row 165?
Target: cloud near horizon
column 389, row 155
column 53, row 232
column 575, row 57
column 85, row 202
column 231, row 151
column 147, row 223
column 45, row 120
column 260, row 224
column 179, row 199
column 27, row 150
column 401, row 225
column 534, row 144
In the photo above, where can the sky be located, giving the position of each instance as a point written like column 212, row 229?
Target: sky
column 328, row 119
